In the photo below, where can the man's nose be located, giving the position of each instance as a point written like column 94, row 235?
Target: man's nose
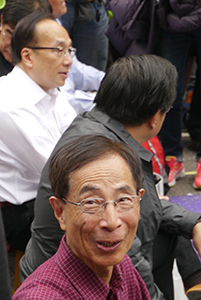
column 67, row 60
column 110, row 217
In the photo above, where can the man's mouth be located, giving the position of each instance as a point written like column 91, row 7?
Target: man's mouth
column 64, row 74
column 107, row 244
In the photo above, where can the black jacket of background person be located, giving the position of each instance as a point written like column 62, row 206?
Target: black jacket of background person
column 5, row 66
column 154, row 213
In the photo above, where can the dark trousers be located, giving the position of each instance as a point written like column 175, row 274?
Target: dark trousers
column 194, row 122
column 168, row 247
column 163, row 258
column 176, row 46
column 188, row 261
column 17, row 221
column 88, row 37
column 5, row 291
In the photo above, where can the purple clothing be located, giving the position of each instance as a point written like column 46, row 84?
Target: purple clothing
column 179, row 16
column 132, row 29
column 65, row 276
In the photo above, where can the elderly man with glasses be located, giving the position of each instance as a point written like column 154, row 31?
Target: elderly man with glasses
column 83, row 80
column 96, row 186
column 33, row 115
column 131, row 105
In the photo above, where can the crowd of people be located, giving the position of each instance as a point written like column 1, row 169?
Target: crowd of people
column 80, row 94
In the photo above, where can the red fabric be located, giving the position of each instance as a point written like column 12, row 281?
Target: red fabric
column 158, row 160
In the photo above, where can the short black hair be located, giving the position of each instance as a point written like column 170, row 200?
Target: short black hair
column 24, row 34
column 15, row 10
column 136, row 87
column 81, row 151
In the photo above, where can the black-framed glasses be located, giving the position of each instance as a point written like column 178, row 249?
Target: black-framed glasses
column 95, row 205
column 61, row 51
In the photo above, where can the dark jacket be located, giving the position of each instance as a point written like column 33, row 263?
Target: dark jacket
column 132, row 29
column 5, row 66
column 154, row 213
column 179, row 16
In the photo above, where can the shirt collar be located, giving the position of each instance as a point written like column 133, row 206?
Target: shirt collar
column 38, row 94
column 89, row 285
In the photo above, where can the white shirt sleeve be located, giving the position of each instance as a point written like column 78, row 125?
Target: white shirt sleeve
column 84, row 77
column 81, row 85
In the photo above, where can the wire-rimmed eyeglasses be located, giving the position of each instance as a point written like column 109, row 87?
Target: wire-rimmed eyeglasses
column 61, row 51
column 95, row 205
column 7, row 36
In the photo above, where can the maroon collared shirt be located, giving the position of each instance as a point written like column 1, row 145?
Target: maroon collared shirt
column 65, row 276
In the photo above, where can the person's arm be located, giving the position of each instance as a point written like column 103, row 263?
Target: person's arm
column 176, row 219
column 81, row 85
column 196, row 233
column 144, row 269
column 25, row 139
column 81, row 101
column 30, row 137
column 84, row 77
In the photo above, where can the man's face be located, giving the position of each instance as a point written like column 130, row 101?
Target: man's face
column 5, row 40
column 49, row 70
column 102, row 239
column 58, row 7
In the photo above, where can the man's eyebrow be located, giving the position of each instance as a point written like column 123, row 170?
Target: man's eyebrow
column 62, row 43
column 88, row 188
column 125, row 188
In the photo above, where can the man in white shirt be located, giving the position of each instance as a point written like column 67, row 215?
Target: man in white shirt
column 83, row 81
column 33, row 115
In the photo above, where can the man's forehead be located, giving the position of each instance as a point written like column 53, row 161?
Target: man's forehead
column 49, row 26
column 50, row 30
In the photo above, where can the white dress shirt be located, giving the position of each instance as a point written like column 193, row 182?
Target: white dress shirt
column 31, row 122
column 81, row 85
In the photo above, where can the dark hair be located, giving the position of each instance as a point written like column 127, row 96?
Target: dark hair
column 136, row 87
column 25, row 35
column 15, row 10
column 81, row 151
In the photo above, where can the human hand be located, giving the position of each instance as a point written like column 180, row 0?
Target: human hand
column 163, row 197
column 196, row 233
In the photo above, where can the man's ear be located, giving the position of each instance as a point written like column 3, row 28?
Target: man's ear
column 141, row 192
column 27, row 55
column 154, row 120
column 58, row 211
